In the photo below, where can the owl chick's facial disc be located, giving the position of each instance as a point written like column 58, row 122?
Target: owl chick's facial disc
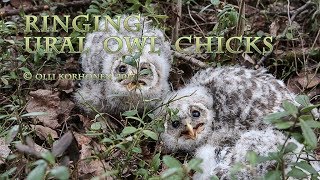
column 133, row 69
column 141, row 74
column 189, row 119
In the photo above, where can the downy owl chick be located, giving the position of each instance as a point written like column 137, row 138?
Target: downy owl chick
column 134, row 74
column 220, row 161
column 218, row 104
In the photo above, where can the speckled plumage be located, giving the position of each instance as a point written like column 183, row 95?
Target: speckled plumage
column 219, row 161
column 112, row 95
column 229, row 99
column 220, row 117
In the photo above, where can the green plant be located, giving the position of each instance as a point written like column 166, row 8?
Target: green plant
column 177, row 170
column 292, row 118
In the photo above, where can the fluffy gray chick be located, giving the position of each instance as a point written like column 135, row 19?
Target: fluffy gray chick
column 117, row 93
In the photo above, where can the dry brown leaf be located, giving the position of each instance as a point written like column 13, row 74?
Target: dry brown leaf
column 6, row 8
column 71, row 65
column 81, row 120
column 48, row 101
column 65, row 108
column 309, row 81
column 246, row 57
column 4, row 150
column 293, row 85
column 65, row 85
column 21, row 3
column 91, row 167
column 317, row 153
column 85, row 120
column 45, row 101
column 278, row 52
column 82, row 139
column 274, row 27
column 44, row 132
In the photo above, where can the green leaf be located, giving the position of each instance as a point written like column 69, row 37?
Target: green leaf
column 38, row 172
column 252, row 157
column 236, row 168
column 137, row 119
column 130, row 113
column 136, row 56
column 313, row 123
column 194, row 164
column 48, row 156
column 271, row 118
column 297, row 173
column 283, row 124
column 171, row 162
column 145, row 72
column 106, row 140
column 129, row 60
column 93, row 11
column 303, row 100
column 3, row 116
column 306, row 166
column 290, row 147
column 96, row 126
column 309, row 108
column 170, row 172
column 137, row 150
column 306, row 117
column 308, row 134
column 12, row 134
column 290, row 108
column 151, row 116
column 60, row 172
column 214, row 177
column 24, row 69
column 289, row 36
column 143, row 173
column 9, row 172
column 215, row 2
column 128, row 130
column 273, row 175
column 155, row 163
column 34, row 114
column 151, row 134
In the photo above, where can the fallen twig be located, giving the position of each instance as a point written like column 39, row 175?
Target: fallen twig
column 42, row 8
column 190, row 59
column 263, row 59
column 177, row 26
column 300, row 9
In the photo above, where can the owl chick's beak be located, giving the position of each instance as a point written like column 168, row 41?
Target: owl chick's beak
column 192, row 132
column 135, row 85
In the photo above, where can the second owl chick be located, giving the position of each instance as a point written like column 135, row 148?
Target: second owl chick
column 133, row 75
column 218, row 104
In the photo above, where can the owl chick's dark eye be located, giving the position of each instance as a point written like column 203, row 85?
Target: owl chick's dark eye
column 175, row 124
column 122, row 69
column 195, row 113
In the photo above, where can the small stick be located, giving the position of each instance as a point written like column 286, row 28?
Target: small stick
column 190, row 59
column 177, row 26
column 300, row 9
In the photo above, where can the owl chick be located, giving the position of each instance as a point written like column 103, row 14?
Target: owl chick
column 134, row 73
column 221, row 161
column 218, row 105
